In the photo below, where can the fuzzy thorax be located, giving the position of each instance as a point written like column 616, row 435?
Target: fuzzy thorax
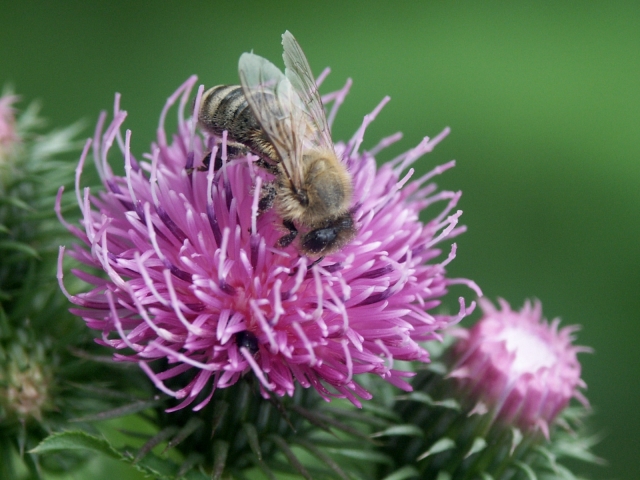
column 325, row 191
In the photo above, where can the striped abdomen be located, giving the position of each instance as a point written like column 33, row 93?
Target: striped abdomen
column 225, row 107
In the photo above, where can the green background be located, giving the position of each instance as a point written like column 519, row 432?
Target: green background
column 543, row 100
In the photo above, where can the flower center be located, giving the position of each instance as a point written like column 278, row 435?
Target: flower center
column 531, row 352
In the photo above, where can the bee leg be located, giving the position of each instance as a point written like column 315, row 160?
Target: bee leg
column 315, row 262
column 267, row 197
column 286, row 240
column 232, row 151
column 269, row 167
column 206, row 162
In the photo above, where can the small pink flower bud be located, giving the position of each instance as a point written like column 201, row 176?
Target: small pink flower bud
column 519, row 367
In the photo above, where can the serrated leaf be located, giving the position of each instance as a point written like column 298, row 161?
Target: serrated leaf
column 402, row 474
column 75, row 440
column 440, row 446
column 399, row 430
column 486, row 476
column 153, row 466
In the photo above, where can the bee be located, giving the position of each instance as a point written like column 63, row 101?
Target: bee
column 280, row 118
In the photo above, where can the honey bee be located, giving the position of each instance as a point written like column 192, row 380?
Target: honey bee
column 281, row 119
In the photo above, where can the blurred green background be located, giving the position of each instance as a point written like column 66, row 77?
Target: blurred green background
column 543, row 100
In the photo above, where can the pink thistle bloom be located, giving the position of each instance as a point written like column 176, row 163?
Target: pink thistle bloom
column 8, row 134
column 193, row 275
column 519, row 367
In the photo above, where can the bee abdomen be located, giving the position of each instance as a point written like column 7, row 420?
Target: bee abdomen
column 225, row 107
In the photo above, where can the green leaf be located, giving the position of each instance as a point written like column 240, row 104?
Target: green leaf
column 15, row 202
column 293, row 460
column 531, row 475
column 564, row 473
column 578, row 448
column 324, row 422
column 440, row 446
column 19, row 247
column 158, row 438
column 75, row 440
column 479, row 444
column 399, row 430
column 438, row 367
column 405, row 472
column 380, row 412
column 516, row 439
column 426, row 399
column 365, row 455
column 220, row 451
column 326, row 459
column 191, row 461
column 219, row 410
column 252, row 436
column 119, row 412
column 192, row 425
column 151, row 465
column 368, row 416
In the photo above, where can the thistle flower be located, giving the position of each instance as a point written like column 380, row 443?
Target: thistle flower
column 486, row 406
column 193, row 277
column 524, row 370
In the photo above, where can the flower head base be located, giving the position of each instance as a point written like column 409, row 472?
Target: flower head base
column 25, row 391
column 519, row 367
column 194, row 277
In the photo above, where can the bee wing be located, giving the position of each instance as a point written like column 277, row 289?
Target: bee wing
column 299, row 74
column 278, row 109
